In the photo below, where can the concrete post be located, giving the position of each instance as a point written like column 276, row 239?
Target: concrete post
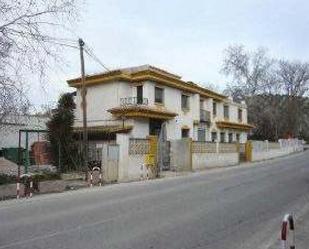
column 27, row 160
column 123, row 142
column 280, row 143
column 267, row 145
column 104, row 164
column 217, row 146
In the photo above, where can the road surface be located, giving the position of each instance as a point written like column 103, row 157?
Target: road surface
column 238, row 207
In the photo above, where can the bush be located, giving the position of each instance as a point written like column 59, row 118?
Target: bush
column 7, row 179
column 46, row 177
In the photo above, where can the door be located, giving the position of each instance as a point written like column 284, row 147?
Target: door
column 110, row 160
column 155, row 127
column 139, row 94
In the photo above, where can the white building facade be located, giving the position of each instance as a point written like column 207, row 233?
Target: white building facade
column 139, row 100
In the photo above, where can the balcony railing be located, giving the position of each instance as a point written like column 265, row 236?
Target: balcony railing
column 204, row 116
column 133, row 101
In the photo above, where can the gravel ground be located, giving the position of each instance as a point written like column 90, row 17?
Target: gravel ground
column 9, row 168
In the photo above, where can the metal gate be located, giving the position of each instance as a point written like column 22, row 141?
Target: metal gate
column 242, row 152
column 163, row 150
column 164, row 155
column 94, row 154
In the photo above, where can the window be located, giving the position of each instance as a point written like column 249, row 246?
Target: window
column 159, row 95
column 230, row 137
column 214, row 136
column 226, row 111
column 201, row 134
column 184, row 101
column 237, row 137
column 240, row 115
column 185, row 133
column 155, row 127
column 222, row 137
column 201, row 104
column 214, row 109
column 139, row 94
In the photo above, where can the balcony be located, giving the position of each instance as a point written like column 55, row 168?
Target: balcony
column 133, row 101
column 205, row 116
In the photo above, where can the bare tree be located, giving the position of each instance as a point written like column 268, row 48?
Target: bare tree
column 275, row 91
column 294, row 81
column 294, row 77
column 30, row 32
column 251, row 72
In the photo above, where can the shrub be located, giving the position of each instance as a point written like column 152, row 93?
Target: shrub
column 7, row 179
column 46, row 177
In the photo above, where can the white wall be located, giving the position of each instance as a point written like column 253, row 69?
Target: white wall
column 172, row 103
column 202, row 161
column 233, row 117
column 243, row 137
column 102, row 97
column 123, row 141
column 9, row 133
column 261, row 151
column 140, row 128
column 130, row 166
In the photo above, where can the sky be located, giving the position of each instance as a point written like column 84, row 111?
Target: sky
column 185, row 37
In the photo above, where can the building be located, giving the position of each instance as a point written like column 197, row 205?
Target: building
column 138, row 100
column 12, row 124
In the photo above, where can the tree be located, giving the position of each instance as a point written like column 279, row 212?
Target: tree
column 61, row 136
column 294, row 81
column 251, row 72
column 275, row 91
column 30, row 33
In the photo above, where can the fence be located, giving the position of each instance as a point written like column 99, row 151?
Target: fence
column 180, row 154
column 262, row 150
column 138, row 146
column 187, row 155
column 208, row 154
column 211, row 147
column 204, row 147
column 132, row 155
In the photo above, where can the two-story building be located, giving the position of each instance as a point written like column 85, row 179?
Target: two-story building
column 138, row 100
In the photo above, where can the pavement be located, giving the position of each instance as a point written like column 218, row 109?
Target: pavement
column 237, row 207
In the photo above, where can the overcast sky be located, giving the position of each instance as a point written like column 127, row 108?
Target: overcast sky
column 184, row 37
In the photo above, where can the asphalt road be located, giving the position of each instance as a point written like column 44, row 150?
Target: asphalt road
column 239, row 207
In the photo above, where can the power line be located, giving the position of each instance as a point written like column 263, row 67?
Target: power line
column 96, row 59
column 72, row 44
column 90, row 52
column 65, row 45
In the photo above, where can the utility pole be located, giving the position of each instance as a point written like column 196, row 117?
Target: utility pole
column 84, row 106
